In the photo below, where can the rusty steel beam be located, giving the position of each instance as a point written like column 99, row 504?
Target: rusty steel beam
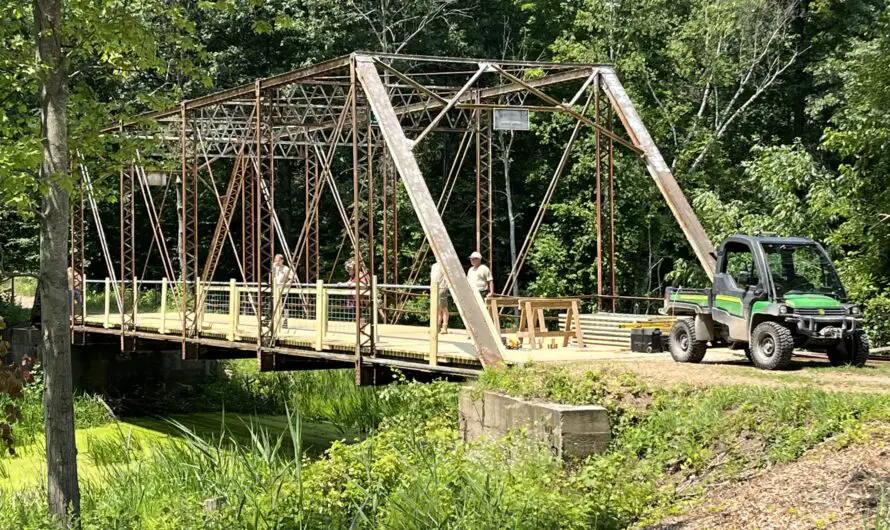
column 660, row 172
column 242, row 91
column 488, row 346
column 568, row 110
column 470, row 60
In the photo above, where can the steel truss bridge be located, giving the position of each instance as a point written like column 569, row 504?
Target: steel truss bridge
column 348, row 131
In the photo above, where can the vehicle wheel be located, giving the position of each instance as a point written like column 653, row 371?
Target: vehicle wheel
column 857, row 347
column 851, row 350
column 772, row 346
column 837, row 354
column 682, row 342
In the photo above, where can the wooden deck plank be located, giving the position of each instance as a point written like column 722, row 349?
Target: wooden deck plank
column 395, row 340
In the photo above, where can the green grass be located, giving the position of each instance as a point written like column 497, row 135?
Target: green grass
column 666, row 436
column 328, row 396
column 882, row 518
column 413, row 471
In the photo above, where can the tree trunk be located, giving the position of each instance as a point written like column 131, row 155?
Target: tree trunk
column 511, row 220
column 506, row 147
column 61, row 453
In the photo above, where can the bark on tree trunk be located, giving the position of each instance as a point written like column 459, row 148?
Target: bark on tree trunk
column 511, row 219
column 61, row 454
column 506, row 147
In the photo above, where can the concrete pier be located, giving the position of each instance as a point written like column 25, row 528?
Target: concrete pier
column 571, row 431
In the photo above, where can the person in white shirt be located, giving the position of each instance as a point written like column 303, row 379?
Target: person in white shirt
column 282, row 276
column 479, row 276
column 437, row 277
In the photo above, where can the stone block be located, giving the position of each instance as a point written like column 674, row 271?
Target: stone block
column 571, row 431
column 580, row 445
column 470, row 414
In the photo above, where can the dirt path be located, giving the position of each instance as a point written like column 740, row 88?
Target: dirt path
column 725, row 367
column 826, row 488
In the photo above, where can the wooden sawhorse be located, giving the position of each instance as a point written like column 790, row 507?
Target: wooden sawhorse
column 531, row 318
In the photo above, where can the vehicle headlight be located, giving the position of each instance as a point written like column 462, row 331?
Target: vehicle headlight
column 853, row 309
column 784, row 309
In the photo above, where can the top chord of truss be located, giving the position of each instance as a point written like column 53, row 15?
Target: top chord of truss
column 429, row 94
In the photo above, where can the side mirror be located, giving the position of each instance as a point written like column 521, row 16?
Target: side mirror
column 743, row 278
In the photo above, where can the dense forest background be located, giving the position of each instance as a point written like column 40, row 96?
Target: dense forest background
column 774, row 115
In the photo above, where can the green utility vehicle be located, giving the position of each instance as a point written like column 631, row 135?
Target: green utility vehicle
column 769, row 295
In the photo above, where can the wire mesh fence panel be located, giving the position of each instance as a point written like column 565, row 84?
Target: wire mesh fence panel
column 341, row 310
column 296, row 307
column 94, row 298
column 247, row 300
column 216, row 299
column 408, row 304
column 148, row 303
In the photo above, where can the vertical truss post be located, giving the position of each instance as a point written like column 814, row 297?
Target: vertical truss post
column 488, row 346
column 385, row 226
column 77, row 255
column 599, row 194
column 363, row 242
column 356, row 248
column 395, row 222
column 264, row 232
column 313, row 187
column 189, row 243
column 372, row 199
column 477, row 128
column 484, row 191
column 128, row 256
column 613, row 290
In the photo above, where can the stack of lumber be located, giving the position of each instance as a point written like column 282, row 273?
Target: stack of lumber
column 613, row 329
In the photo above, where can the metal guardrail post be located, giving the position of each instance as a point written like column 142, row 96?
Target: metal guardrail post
column 163, row 328
column 234, row 299
column 199, row 311
column 277, row 312
column 321, row 315
column 106, row 323
column 135, row 303
column 374, row 308
column 434, row 323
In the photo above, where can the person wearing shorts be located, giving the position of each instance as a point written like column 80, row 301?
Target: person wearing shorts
column 438, row 278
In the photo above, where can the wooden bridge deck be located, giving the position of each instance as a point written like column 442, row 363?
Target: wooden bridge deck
column 397, row 341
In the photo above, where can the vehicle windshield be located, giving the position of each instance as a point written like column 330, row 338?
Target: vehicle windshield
column 802, row 269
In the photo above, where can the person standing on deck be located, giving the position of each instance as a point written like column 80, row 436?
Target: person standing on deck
column 75, row 292
column 281, row 277
column 480, row 277
column 438, row 278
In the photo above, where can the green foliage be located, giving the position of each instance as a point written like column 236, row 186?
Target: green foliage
column 680, row 434
column 413, row 471
column 329, row 396
column 876, row 312
column 124, row 448
column 89, row 411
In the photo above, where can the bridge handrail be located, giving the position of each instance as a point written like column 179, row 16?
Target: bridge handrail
column 234, row 301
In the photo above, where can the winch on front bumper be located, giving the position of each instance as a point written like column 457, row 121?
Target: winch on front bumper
column 825, row 323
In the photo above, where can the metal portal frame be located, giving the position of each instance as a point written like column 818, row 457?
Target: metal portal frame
column 349, row 130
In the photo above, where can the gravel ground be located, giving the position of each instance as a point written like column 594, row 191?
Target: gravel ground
column 828, row 487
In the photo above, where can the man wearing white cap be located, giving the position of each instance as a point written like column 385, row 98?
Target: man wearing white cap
column 479, row 276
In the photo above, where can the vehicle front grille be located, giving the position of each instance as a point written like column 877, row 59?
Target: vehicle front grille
column 821, row 312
